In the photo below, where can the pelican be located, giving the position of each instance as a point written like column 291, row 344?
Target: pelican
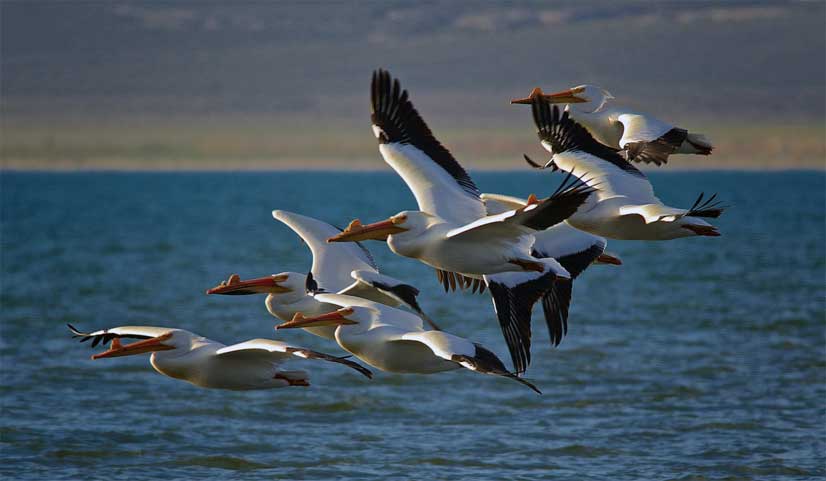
column 343, row 268
column 452, row 231
column 642, row 137
column 624, row 205
column 574, row 249
column 205, row 363
column 395, row 341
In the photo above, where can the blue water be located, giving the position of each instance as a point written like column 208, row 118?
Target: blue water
column 697, row 359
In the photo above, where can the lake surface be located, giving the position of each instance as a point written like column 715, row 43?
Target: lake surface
column 698, row 358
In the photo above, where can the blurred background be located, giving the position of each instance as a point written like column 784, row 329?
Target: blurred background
column 252, row 85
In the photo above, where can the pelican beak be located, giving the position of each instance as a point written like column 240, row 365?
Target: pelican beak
column 234, row 286
column 565, row 97
column 606, row 258
column 116, row 349
column 335, row 318
column 376, row 231
column 537, row 92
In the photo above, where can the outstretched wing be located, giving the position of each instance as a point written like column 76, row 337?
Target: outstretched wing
column 332, row 262
column 570, row 195
column 576, row 151
column 122, row 332
column 647, row 139
column 441, row 186
column 465, row 353
column 277, row 351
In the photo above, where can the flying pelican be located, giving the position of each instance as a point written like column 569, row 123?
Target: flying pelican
column 624, row 205
column 452, row 231
column 343, row 268
column 574, row 249
column 205, row 363
column 395, row 341
column 642, row 137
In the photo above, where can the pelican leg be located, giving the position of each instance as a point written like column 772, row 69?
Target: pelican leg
column 528, row 265
column 292, row 382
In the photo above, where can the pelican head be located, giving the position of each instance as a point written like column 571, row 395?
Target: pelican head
column 595, row 97
column 282, row 283
column 170, row 340
column 402, row 222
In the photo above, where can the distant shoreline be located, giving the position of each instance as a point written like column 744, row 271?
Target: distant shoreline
column 126, row 169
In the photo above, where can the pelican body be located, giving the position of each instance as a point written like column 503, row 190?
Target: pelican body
column 623, row 205
column 183, row 355
column 395, row 341
column 343, row 268
column 642, row 137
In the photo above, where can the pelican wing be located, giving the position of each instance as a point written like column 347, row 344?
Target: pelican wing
column 127, row 332
column 576, row 151
column 654, row 212
column 384, row 289
column 529, row 218
column 466, row 353
column 277, row 351
column 441, row 186
column 557, row 241
column 332, row 262
column 574, row 249
column 498, row 203
column 650, row 140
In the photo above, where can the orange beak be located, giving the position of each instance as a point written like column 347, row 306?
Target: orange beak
column 335, row 318
column 563, row 97
column 537, row 92
column 116, row 349
column 234, row 286
column 376, row 231
column 606, row 258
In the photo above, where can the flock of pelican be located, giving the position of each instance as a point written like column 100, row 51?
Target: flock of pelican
column 522, row 251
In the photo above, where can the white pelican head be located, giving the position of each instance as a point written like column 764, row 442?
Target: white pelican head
column 585, row 98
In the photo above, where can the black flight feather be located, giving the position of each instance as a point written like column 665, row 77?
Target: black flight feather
column 656, row 151
column 564, row 135
column 399, row 122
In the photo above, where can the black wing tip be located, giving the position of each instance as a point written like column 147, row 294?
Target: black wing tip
column 565, row 134
column 707, row 208
column 310, row 285
column 532, row 163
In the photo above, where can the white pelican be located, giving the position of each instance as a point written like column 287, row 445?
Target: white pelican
column 624, row 205
column 642, row 137
column 451, row 231
column 395, row 341
column 203, row 362
column 343, row 268
column 574, row 249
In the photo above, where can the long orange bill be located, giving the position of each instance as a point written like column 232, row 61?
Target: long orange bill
column 376, row 231
column 234, row 286
column 116, row 349
column 335, row 318
column 537, row 92
column 605, row 258
column 563, row 97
